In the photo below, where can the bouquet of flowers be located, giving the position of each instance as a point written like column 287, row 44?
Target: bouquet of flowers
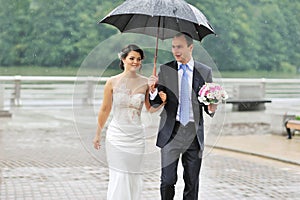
column 212, row 93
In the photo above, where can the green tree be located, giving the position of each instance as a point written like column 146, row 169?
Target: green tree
column 257, row 34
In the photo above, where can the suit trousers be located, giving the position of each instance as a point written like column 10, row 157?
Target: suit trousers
column 184, row 143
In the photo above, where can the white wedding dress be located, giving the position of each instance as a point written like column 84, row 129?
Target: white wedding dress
column 125, row 145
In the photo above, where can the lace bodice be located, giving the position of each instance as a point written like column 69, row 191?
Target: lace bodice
column 127, row 106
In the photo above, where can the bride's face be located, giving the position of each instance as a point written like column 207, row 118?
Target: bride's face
column 133, row 61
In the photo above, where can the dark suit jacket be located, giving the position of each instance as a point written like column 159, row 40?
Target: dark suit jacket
column 168, row 82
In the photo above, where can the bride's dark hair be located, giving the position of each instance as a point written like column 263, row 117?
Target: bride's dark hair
column 125, row 51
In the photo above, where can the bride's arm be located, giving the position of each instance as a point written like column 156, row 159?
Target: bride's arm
column 151, row 109
column 103, row 112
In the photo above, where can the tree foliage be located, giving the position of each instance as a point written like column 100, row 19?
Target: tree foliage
column 257, row 34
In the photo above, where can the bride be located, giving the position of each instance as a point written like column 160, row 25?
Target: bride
column 125, row 94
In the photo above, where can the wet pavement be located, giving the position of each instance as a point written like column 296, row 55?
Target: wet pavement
column 46, row 153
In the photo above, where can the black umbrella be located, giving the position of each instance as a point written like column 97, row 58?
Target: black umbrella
column 159, row 18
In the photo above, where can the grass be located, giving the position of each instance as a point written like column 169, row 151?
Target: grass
column 73, row 71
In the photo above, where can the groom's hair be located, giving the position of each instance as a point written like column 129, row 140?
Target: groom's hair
column 188, row 37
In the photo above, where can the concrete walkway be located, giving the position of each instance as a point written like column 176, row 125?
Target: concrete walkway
column 46, row 153
column 269, row 146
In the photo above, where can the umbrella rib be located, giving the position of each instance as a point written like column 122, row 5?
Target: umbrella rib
column 147, row 21
column 129, row 20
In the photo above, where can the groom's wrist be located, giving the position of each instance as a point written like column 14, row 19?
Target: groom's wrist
column 153, row 94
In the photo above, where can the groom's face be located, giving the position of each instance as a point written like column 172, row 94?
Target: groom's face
column 180, row 49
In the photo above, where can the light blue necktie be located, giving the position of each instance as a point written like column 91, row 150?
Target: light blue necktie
column 184, row 113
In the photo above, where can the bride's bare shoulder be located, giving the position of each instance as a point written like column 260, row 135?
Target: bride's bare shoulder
column 114, row 79
column 143, row 78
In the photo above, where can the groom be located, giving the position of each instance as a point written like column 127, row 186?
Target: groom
column 181, row 129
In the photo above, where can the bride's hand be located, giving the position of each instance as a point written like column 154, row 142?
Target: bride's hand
column 152, row 81
column 96, row 142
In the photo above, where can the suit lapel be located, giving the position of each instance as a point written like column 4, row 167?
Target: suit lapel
column 174, row 81
column 198, row 81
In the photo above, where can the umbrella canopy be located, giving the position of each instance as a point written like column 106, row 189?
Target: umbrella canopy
column 159, row 18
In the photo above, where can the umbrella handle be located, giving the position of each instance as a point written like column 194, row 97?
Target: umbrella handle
column 155, row 57
column 154, row 67
column 156, row 49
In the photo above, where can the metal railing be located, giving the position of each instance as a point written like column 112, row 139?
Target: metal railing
column 273, row 88
column 49, row 90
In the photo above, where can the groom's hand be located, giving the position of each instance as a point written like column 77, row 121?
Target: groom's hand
column 212, row 107
column 152, row 82
column 163, row 96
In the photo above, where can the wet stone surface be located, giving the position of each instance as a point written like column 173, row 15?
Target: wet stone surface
column 42, row 156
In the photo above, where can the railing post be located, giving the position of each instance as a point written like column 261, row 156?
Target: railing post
column 263, row 87
column 1, row 97
column 3, row 113
column 89, row 98
column 16, row 95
